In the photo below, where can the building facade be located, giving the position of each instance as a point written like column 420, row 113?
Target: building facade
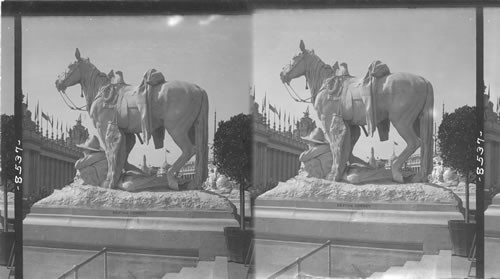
column 48, row 160
column 276, row 151
column 491, row 147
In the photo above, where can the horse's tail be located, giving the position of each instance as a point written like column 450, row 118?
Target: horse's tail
column 426, row 133
column 201, row 142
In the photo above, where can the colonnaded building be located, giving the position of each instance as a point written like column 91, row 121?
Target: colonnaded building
column 276, row 148
column 49, row 155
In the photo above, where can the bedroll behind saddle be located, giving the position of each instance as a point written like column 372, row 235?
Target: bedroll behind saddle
column 376, row 70
column 152, row 78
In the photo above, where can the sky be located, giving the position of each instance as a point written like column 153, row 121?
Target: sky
column 437, row 44
column 212, row 51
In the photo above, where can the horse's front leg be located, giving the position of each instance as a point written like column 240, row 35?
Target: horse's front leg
column 115, row 146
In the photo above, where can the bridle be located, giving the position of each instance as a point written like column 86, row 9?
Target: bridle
column 295, row 96
column 66, row 98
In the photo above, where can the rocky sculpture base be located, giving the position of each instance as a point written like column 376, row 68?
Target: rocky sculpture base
column 397, row 216
column 174, row 223
column 301, row 188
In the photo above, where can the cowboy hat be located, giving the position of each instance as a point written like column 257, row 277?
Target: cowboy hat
column 316, row 136
column 91, row 144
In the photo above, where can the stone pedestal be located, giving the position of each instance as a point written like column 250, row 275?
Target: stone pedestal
column 187, row 223
column 492, row 239
column 403, row 217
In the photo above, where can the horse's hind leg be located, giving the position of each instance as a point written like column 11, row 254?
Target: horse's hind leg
column 129, row 145
column 180, row 135
column 355, row 134
column 404, row 125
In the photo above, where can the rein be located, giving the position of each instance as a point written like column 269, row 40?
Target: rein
column 72, row 106
column 296, row 98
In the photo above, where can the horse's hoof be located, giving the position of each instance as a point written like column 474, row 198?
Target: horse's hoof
column 398, row 177
column 172, row 183
column 173, row 186
column 330, row 176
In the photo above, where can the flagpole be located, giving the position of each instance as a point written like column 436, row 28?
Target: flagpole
column 41, row 127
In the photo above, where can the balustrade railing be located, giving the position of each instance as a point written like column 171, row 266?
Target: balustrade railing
column 74, row 270
column 299, row 261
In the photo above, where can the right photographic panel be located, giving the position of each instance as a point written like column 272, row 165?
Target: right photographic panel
column 364, row 146
column 492, row 142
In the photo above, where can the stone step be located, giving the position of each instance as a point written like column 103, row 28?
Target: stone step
column 410, row 269
column 443, row 265
column 171, row 276
column 187, row 273
column 394, row 272
column 203, row 270
column 377, row 275
column 428, row 265
column 220, row 268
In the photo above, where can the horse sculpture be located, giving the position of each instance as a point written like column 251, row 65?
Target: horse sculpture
column 406, row 100
column 179, row 107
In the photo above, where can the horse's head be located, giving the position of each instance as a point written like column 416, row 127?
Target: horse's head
column 298, row 66
column 73, row 74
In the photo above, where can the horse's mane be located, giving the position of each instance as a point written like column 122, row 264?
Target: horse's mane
column 319, row 71
column 95, row 79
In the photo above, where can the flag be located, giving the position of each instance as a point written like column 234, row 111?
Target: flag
column 46, row 117
column 36, row 111
column 273, row 109
column 52, row 121
column 264, row 104
column 279, row 114
column 498, row 103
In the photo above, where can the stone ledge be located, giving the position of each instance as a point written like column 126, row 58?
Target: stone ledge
column 383, row 216
column 157, row 235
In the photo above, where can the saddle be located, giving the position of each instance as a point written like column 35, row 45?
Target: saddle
column 123, row 97
column 357, row 97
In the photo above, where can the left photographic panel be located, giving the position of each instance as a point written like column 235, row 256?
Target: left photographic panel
column 122, row 122
column 8, row 138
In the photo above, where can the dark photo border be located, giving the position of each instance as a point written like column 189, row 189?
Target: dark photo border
column 20, row 9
